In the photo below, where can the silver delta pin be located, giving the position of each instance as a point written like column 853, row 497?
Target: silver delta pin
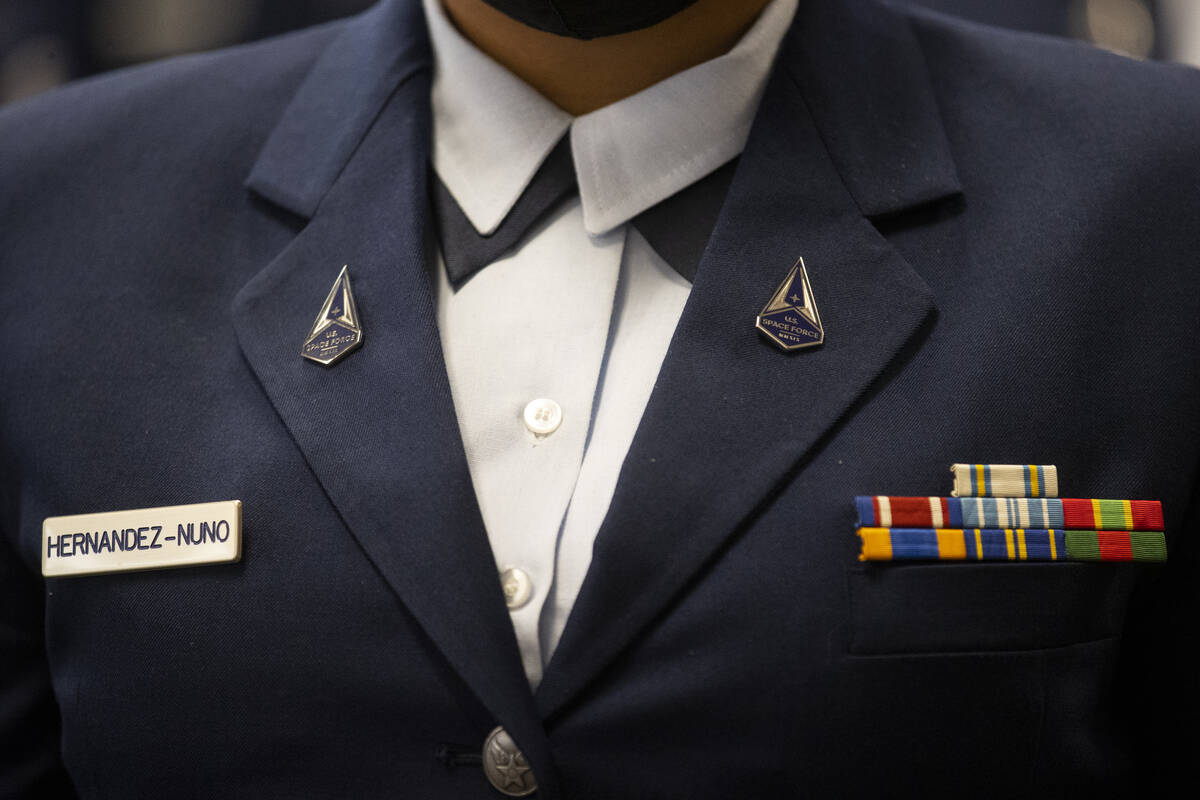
column 336, row 331
column 790, row 318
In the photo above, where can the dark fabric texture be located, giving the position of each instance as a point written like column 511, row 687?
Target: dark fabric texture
column 999, row 231
column 680, row 227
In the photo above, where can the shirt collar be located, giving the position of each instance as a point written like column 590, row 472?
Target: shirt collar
column 491, row 130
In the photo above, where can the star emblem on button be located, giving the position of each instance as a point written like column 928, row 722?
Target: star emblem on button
column 505, row 765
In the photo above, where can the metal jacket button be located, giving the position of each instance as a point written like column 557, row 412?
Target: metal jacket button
column 505, row 765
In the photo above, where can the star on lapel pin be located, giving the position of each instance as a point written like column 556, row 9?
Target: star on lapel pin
column 790, row 318
column 336, row 331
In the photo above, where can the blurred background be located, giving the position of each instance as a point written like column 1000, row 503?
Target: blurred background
column 47, row 42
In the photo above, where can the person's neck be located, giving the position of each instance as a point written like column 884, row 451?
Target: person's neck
column 581, row 76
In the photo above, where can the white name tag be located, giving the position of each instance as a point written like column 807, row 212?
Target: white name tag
column 142, row 538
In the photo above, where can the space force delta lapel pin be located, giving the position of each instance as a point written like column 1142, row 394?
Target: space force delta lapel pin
column 337, row 330
column 790, row 318
column 142, row 538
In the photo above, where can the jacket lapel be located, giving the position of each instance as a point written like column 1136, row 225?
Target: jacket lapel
column 378, row 428
column 847, row 129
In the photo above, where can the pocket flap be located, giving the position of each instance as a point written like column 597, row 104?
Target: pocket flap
column 917, row 608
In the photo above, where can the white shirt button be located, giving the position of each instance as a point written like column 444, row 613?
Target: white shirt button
column 543, row 416
column 518, row 587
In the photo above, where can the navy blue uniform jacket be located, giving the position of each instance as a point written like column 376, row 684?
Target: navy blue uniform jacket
column 1000, row 231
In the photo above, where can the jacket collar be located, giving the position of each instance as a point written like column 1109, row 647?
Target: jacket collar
column 882, row 127
column 732, row 420
column 861, row 71
column 848, row 127
column 378, row 429
column 338, row 102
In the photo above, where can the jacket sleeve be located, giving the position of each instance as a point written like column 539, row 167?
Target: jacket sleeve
column 30, row 760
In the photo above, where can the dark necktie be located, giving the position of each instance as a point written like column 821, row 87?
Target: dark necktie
column 677, row 228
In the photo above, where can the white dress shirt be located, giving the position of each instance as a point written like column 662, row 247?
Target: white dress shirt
column 581, row 312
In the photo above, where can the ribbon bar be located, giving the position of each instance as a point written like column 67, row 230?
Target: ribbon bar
column 1010, row 544
column 1009, row 512
column 1005, row 480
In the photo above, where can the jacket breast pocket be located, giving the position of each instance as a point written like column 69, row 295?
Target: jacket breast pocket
column 956, row 607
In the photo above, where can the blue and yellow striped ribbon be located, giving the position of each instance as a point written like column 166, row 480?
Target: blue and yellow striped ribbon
column 1010, row 544
column 1005, row 480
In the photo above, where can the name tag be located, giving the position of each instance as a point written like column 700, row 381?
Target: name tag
column 142, row 538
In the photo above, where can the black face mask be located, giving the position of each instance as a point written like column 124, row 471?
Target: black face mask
column 587, row 19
